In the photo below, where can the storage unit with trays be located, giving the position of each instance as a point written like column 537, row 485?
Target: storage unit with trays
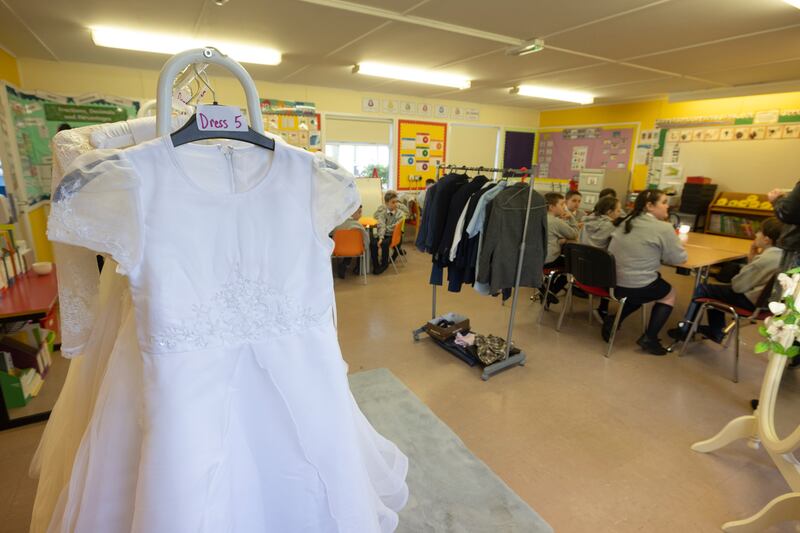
column 737, row 214
column 592, row 181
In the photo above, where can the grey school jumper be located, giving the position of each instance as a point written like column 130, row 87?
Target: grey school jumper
column 640, row 253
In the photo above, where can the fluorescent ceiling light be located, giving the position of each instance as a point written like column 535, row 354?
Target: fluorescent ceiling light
column 164, row 43
column 795, row 3
column 537, row 91
column 528, row 47
column 393, row 72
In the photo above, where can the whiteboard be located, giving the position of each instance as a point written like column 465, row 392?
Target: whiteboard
column 742, row 166
column 371, row 194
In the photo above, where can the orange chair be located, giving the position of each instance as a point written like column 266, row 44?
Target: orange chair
column 350, row 243
column 397, row 238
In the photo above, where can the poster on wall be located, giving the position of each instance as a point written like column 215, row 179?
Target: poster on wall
column 568, row 151
column 37, row 119
column 298, row 123
column 420, row 147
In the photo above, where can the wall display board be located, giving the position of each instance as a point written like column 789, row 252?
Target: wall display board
column 297, row 122
column 421, row 146
column 738, row 152
column 28, row 121
column 564, row 153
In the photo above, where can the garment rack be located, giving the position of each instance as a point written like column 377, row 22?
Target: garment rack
column 517, row 359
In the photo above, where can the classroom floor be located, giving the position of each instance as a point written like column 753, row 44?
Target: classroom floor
column 592, row 444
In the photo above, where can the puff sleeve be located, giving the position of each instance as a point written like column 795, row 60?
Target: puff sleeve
column 334, row 195
column 97, row 206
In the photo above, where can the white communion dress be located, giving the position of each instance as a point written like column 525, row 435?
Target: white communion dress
column 225, row 405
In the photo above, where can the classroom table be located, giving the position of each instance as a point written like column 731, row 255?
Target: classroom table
column 31, row 297
column 705, row 250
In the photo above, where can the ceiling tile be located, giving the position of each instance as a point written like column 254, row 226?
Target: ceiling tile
column 504, row 69
column 677, row 23
column 764, row 48
column 652, row 87
column 522, row 20
column 782, row 71
column 399, row 6
column 15, row 38
column 412, row 45
column 594, row 76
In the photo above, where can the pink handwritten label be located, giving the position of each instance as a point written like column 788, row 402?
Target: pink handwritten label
column 220, row 118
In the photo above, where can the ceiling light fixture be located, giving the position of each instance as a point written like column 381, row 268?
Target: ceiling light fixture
column 163, row 43
column 795, row 3
column 528, row 47
column 394, row 72
column 549, row 93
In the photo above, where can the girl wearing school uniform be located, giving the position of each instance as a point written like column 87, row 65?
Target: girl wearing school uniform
column 641, row 243
column 597, row 229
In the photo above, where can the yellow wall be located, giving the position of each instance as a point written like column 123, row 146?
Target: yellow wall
column 8, row 68
column 646, row 113
column 77, row 78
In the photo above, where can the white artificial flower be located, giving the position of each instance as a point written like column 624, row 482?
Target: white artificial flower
column 789, row 284
column 777, row 308
column 781, row 332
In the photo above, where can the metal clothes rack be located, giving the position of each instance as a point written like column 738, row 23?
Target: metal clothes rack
column 517, row 359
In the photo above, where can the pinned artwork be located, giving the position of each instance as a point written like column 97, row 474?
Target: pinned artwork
column 441, row 111
column 726, row 134
column 369, row 105
column 774, row 132
column 408, row 108
column 711, row 134
column 791, row 131
column 674, row 136
column 697, row 134
column 686, row 136
column 424, row 109
column 758, row 132
column 389, row 106
column 741, row 134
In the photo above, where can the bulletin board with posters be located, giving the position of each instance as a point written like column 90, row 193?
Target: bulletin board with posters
column 563, row 153
column 298, row 123
column 420, row 147
column 29, row 120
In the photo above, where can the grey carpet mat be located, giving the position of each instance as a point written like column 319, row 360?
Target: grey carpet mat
column 451, row 490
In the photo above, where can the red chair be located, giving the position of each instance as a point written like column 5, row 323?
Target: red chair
column 350, row 243
column 593, row 270
column 761, row 312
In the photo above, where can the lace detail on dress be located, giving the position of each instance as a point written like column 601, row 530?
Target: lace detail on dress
column 243, row 310
column 77, row 295
column 65, row 225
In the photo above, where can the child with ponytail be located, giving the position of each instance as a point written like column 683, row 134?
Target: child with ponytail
column 641, row 243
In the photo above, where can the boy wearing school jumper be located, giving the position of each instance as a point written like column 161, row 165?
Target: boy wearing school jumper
column 559, row 231
column 391, row 213
column 763, row 262
column 573, row 208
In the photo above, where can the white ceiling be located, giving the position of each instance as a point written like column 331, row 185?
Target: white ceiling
column 617, row 49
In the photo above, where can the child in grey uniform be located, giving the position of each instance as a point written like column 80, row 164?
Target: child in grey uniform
column 763, row 262
column 559, row 231
column 642, row 241
column 597, row 230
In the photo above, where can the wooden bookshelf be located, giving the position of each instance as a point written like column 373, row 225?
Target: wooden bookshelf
column 737, row 214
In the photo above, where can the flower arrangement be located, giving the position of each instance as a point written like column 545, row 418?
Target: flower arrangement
column 782, row 329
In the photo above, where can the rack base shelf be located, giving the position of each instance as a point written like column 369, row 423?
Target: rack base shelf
column 518, row 359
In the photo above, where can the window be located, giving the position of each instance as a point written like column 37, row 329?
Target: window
column 362, row 158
